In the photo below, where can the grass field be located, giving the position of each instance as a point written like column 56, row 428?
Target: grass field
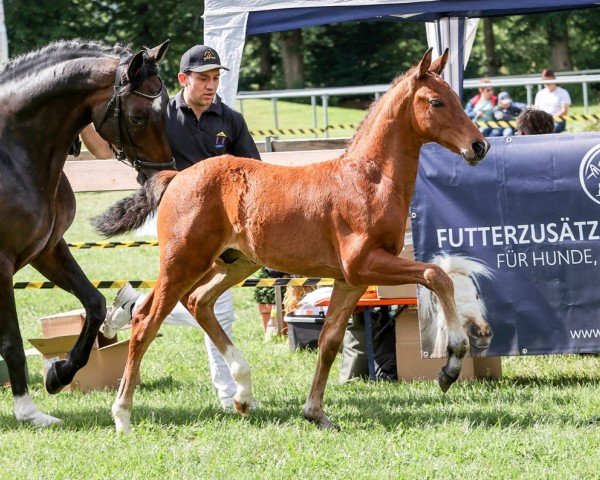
column 539, row 422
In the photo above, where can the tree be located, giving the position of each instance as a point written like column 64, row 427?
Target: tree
column 492, row 62
column 292, row 61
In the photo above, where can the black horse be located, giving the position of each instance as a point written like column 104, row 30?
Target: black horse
column 46, row 98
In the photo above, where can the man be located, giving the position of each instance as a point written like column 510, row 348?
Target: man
column 199, row 126
column 554, row 100
column 534, row 122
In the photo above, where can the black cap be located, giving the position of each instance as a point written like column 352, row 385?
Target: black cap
column 200, row 58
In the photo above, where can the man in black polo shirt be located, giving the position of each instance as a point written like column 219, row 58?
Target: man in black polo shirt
column 198, row 126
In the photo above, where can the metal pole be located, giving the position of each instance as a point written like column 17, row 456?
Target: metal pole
column 242, row 106
column 313, row 104
column 325, row 99
column 585, row 97
column 529, row 88
column 3, row 38
column 279, row 306
column 274, row 101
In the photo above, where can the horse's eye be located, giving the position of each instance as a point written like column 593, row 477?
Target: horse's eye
column 137, row 120
column 435, row 103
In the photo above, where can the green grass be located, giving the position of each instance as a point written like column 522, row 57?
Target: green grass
column 259, row 115
column 535, row 423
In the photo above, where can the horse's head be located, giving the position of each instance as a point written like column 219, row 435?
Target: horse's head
column 133, row 121
column 438, row 114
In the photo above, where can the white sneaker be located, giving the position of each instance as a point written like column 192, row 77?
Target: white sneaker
column 120, row 314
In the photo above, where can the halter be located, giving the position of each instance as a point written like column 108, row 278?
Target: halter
column 119, row 152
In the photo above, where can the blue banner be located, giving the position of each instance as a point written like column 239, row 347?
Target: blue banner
column 519, row 235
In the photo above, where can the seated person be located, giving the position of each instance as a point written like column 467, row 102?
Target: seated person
column 481, row 107
column 554, row 100
column 506, row 110
column 534, row 122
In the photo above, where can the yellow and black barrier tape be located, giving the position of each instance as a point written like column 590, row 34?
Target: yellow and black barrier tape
column 249, row 282
column 127, row 244
column 297, row 131
column 589, row 117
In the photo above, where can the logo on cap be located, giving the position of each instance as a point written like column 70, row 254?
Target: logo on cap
column 209, row 55
column 589, row 174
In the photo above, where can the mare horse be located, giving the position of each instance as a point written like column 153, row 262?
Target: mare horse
column 465, row 273
column 344, row 219
column 46, row 98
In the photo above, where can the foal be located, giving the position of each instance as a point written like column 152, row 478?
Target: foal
column 343, row 219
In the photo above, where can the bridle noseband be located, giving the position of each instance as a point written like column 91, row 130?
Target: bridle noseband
column 115, row 105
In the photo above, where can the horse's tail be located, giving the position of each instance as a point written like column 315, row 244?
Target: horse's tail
column 129, row 213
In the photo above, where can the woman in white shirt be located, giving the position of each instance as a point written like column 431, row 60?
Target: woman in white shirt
column 553, row 100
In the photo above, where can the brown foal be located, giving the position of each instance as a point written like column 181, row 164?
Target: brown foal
column 343, row 219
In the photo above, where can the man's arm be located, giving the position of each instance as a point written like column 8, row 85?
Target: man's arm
column 243, row 144
column 95, row 144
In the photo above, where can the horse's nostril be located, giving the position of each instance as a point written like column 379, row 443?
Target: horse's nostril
column 479, row 148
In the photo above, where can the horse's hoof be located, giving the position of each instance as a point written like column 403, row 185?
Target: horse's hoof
column 446, row 380
column 53, row 382
column 242, row 408
column 321, row 421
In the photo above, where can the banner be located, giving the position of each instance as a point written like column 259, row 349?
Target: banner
column 519, row 235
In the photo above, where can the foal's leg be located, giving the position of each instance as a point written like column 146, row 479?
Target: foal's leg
column 379, row 267
column 144, row 326
column 59, row 266
column 342, row 304
column 11, row 348
column 176, row 277
column 201, row 302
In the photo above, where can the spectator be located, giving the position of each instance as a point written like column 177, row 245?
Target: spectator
column 481, row 107
column 506, row 110
column 554, row 100
column 534, row 122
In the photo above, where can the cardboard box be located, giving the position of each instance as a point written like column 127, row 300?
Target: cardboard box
column 400, row 291
column 107, row 358
column 70, row 323
column 411, row 366
column 103, row 370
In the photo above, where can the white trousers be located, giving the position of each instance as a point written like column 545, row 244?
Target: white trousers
column 219, row 371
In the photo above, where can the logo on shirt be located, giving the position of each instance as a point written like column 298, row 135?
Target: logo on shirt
column 589, row 173
column 220, row 140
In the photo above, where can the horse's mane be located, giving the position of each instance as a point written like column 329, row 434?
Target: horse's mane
column 374, row 109
column 57, row 52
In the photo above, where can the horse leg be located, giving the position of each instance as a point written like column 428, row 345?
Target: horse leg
column 59, row 266
column 379, row 267
column 174, row 280
column 201, row 301
column 11, row 347
column 343, row 301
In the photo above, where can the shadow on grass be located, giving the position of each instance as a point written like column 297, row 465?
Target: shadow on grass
column 360, row 405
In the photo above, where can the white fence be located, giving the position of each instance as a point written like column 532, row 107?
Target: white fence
column 584, row 78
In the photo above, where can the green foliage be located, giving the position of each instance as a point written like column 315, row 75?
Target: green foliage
column 32, row 24
column 264, row 294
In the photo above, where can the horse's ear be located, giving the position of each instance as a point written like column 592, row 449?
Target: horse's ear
column 423, row 65
column 134, row 69
column 156, row 54
column 438, row 65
